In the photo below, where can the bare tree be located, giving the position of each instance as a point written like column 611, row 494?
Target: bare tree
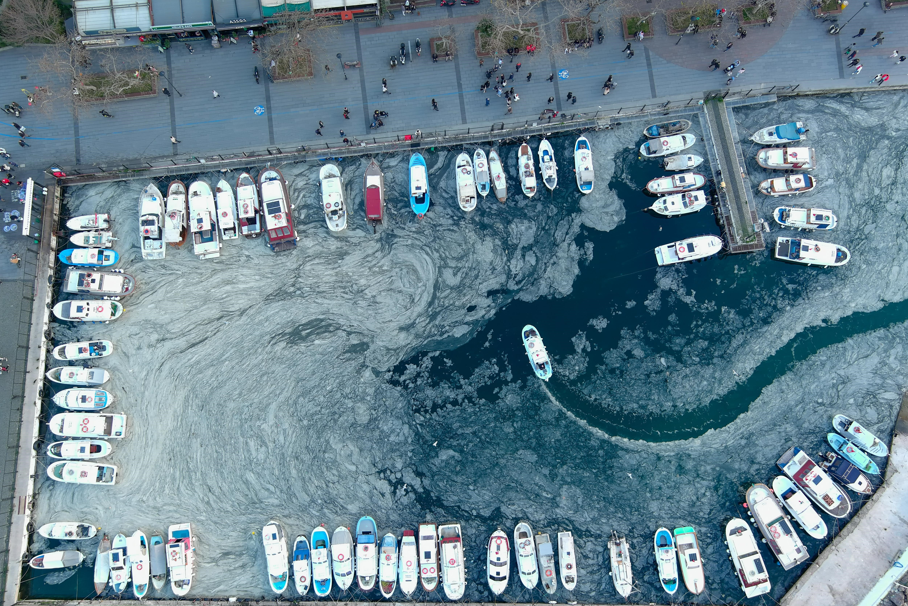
column 290, row 50
column 511, row 23
column 31, row 21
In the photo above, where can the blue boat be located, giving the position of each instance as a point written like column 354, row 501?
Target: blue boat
column 302, row 566
column 419, row 185
column 89, row 257
column 539, row 357
column 666, row 561
column 852, row 453
column 321, row 562
column 366, row 553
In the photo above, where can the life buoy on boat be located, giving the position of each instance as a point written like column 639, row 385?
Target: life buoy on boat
column 409, row 563
column 83, row 474
column 328, row 205
column 425, row 571
column 451, row 561
column 139, row 566
column 85, row 429
column 146, row 232
column 664, row 142
column 816, row 248
column 245, row 207
column 387, row 557
column 432, row 570
column 498, row 541
column 681, row 248
column 548, row 573
column 277, row 217
column 481, row 165
column 569, row 566
column 100, row 308
column 340, row 558
column 774, row 532
column 465, row 170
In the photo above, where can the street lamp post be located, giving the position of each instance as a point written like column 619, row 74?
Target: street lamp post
column 171, row 83
column 835, row 29
column 344, row 68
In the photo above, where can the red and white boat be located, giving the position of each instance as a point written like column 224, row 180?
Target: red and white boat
column 276, row 208
column 374, row 193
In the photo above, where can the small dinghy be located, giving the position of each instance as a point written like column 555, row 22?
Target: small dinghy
column 280, row 235
column 80, row 450
column 321, row 562
column 114, row 283
column 366, row 564
column 567, row 560
column 788, row 186
column 679, row 204
column 56, row 559
column 89, row 257
column 374, row 194
column 453, row 573
column 583, row 165
column 387, row 565
column 175, row 214
column 342, row 558
column 158, row 556
column 83, row 350
column 247, row 204
column 119, row 564
column 90, row 400
column 93, row 239
column 545, row 553
column 666, row 560
column 276, row 556
column 226, row 206
column 682, row 162
column 675, row 184
column 333, row 198
column 787, row 158
column 428, row 556
column 859, row 436
column 102, row 565
column 181, row 558
column 89, row 222
column 419, row 185
column 81, row 472
column 854, row 454
column 525, row 552
column 804, row 218
column 137, row 550
column 845, row 472
column 526, row 170
column 302, row 565
column 151, row 218
column 781, row 537
column 666, row 129
column 68, row 531
column 205, row 242
column 750, row 569
column 499, row 179
column 408, row 573
column 498, row 562
column 689, row 559
column 548, row 169
column 691, row 249
column 481, row 171
column 799, row 507
column 78, row 375
column 88, row 311
column 666, row 146
column 815, row 483
column 782, row 133
column 810, row 252
column 620, row 558
column 88, row 425
column 539, row 357
column 465, row 183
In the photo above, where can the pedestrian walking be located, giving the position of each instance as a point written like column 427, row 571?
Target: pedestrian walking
column 22, row 143
column 499, row 90
column 740, row 33
column 105, row 113
column 728, row 47
column 384, row 89
column 510, row 109
column 630, row 54
column 434, row 57
column 729, row 81
column 174, row 140
column 549, row 102
column 510, row 77
column 854, row 62
column 627, row 48
column 481, row 61
column 894, row 54
column 22, row 133
column 857, row 70
column 18, row 127
column 740, row 72
column 188, row 47
column 215, row 94
column 879, row 41
column 574, row 100
column 877, row 36
column 342, row 133
column 347, row 141
column 880, row 79
column 322, row 124
column 518, row 67
column 487, row 102
column 853, row 54
column 529, row 76
column 434, row 105
column 900, row 60
column 166, row 92
column 859, row 34
column 715, row 65
column 327, row 69
column 500, row 62
column 551, row 78
column 418, row 133
column 847, row 50
column 346, row 114
column 318, row 132
column 569, row 95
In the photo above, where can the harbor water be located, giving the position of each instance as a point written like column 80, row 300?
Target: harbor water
column 383, row 373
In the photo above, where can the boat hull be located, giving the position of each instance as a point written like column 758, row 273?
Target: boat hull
column 79, row 450
column 798, row 505
column 83, row 350
column 691, row 563
column 302, row 565
column 465, row 183
column 815, row 483
column 333, row 204
column 175, row 214
column 583, row 165
column 498, row 562
column 666, row 129
column 682, row 162
column 527, row 171
column 675, row 184
column 567, row 560
column 691, row 249
column 68, row 531
column 545, row 554
column 775, row 527
column 811, row 253
column 481, row 171
column 679, row 204
column 276, row 556
column 88, row 311
column 536, row 352
column 89, row 257
column 408, row 564
column 280, row 235
column 428, row 556
column 860, row 436
column 100, row 222
column 525, row 554
column 102, row 565
column 374, row 193
column 387, row 565
column 804, row 218
column 780, row 133
column 666, row 560
column 852, row 453
column 151, row 223
column 419, row 185
column 548, row 169
column 225, row 202
column 499, row 179
column 750, row 569
column 666, row 146
column 342, row 558
column 320, row 557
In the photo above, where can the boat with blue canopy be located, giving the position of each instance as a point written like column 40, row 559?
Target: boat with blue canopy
column 89, row 257
column 419, row 185
column 852, row 453
column 781, row 133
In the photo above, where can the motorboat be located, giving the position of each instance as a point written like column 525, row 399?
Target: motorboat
column 854, row 454
column 465, row 183
column 567, row 560
column 119, row 564
column 525, row 553
column 333, row 197
column 248, row 208
column 682, row 162
column 81, row 472
column 548, row 169
column 859, row 436
column 781, row 133
column 666, row 129
column 675, row 184
column 89, row 257
column 689, row 559
column 419, row 185
column 811, row 252
column 453, row 573
column 175, row 214
column 102, row 565
column 666, row 146
column 798, row 505
column 88, row 311
column 840, row 469
column 81, row 450
column 366, row 553
column 99, row 222
column 679, row 204
column 782, row 538
column 321, row 562
column 342, row 558
column 481, row 171
column 539, row 357
column 205, row 242
column 302, row 565
column 151, row 218
column 89, row 400
column 499, row 178
column 56, row 559
column 526, row 170
column 78, row 375
column 788, row 185
column 114, row 283
column 545, row 553
column 137, row 550
column 68, row 531
column 666, row 560
column 225, row 202
column 408, row 568
column 92, row 239
column 374, row 194
column 804, row 218
column 787, row 158
column 277, row 210
column 620, row 558
column 387, row 565
column 276, row 556
column 690, row 249
column 180, row 557
column 88, row 425
column 157, row 554
column 83, row 350
column 815, row 483
column 428, row 556
column 583, row 165
column 745, row 557
column 498, row 562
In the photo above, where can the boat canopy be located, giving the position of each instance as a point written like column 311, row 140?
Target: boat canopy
column 201, row 222
column 789, row 132
column 373, row 198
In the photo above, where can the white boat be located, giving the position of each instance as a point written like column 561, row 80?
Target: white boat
column 750, row 569
column 682, row 162
column 781, row 537
column 119, row 564
column 804, row 218
column 525, row 552
column 788, row 185
column 151, row 218
column 674, row 184
column 114, row 284
column 78, row 375
column 89, row 257
column 465, row 183
column 277, row 211
column 781, row 133
column 620, row 558
column 666, row 560
column 499, row 179
column 81, row 472
column 815, row 483
column 428, row 556
column 787, row 158
column 91, row 400
column 689, row 559
column 276, row 556
column 137, row 550
column 481, row 170
column 526, row 170
column 205, row 243
column 88, row 310
column 539, row 357
column 68, row 531
column 175, row 214
column 567, row 560
column 408, row 570
column 498, row 562
column 157, row 553
column 321, row 562
column 80, row 450
column 56, row 559
column 845, row 472
column 666, row 146
column 860, row 436
column 548, row 169
column 225, row 202
column 679, row 204
column 93, row 239
column 366, row 564
column 83, row 350
column 342, row 558
column 810, row 252
column 333, row 198
column 545, row 553
column 583, row 165
column 387, row 565
column 453, row 573
column 88, row 425
column 248, row 208
column 302, row 565
column 691, row 249
column 798, row 505
column 98, row 222
column 180, row 557
column 102, row 565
